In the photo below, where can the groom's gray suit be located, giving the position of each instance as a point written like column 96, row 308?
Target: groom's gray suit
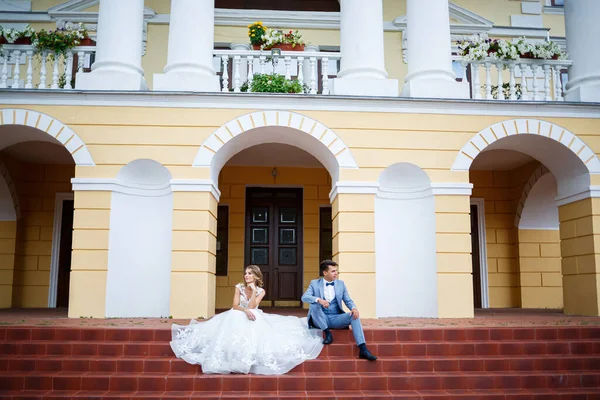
column 334, row 316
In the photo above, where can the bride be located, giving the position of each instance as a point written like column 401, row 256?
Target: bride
column 246, row 340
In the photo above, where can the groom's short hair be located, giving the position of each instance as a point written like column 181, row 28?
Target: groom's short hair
column 325, row 264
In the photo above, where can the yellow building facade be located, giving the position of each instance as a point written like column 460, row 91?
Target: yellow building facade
column 147, row 203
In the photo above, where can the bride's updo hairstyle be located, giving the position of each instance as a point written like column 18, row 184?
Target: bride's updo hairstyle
column 257, row 274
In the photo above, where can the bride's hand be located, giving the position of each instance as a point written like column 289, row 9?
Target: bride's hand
column 252, row 286
column 250, row 315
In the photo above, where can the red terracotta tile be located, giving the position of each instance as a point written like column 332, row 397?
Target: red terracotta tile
column 534, row 381
column 462, row 349
column 523, row 334
column 159, row 365
column 313, row 366
column 136, row 349
column 545, row 364
column 455, row 334
column 497, row 365
column 208, row 383
column 341, row 366
column 152, row 383
column 159, row 350
column 424, row 365
column 558, row 348
column 12, row 382
column 346, row 382
column 413, row 349
column 180, row 366
column 522, row 364
column 38, row 382
column 431, row 335
column 93, row 334
column 478, row 334
column 76, row 365
column 408, row 335
column 363, row 366
column 339, row 350
column 589, row 380
column 124, row 382
column 513, row 349
column 590, row 333
column 96, row 383
column 569, row 333
column 582, row 348
column 455, row 382
column 377, row 394
column 486, row 349
column 85, row 349
column 110, row 349
column 66, row 381
column 4, row 364
column 290, row 383
column 179, row 383
column 59, row 349
column 505, row 382
column 162, row 335
column 133, row 365
column 425, row 382
column 342, row 335
column 99, row 365
column 393, row 365
column 13, row 348
column 400, row 382
column 546, row 334
column 319, row 382
column 48, row 365
column 117, row 335
column 438, row 349
column 67, row 334
column 446, row 365
column 263, row 384
column 206, row 395
column 16, row 364
column 501, row 334
column 471, row 365
column 384, row 335
column 18, row 334
column 42, row 334
column 2, row 333
column 141, row 335
column 570, row 364
column 298, row 368
column 481, row 382
column 592, row 364
column 38, row 349
column 373, row 382
column 530, row 349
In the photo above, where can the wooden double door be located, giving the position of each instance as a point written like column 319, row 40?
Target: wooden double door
column 274, row 241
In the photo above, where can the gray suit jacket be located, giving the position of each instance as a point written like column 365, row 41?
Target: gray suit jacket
column 315, row 290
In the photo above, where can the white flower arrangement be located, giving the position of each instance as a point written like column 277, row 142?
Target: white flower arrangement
column 479, row 47
column 12, row 34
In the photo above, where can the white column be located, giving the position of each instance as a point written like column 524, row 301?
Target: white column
column 118, row 63
column 362, row 69
column 429, row 52
column 581, row 24
column 191, row 43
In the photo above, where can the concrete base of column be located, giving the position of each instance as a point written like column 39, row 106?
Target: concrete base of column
column 365, row 87
column 586, row 93
column 189, row 82
column 110, row 80
column 439, row 89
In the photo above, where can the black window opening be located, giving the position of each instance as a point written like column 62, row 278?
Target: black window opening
column 222, row 240
column 325, row 234
column 287, row 5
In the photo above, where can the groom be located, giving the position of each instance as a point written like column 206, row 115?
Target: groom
column 325, row 296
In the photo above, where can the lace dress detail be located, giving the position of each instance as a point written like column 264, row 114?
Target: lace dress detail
column 244, row 300
column 230, row 343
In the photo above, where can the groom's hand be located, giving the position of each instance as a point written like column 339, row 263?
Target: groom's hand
column 354, row 313
column 324, row 303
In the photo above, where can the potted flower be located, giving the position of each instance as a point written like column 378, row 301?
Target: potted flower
column 82, row 35
column 272, row 83
column 524, row 48
column 57, row 42
column 290, row 41
column 548, row 51
column 256, row 33
column 15, row 36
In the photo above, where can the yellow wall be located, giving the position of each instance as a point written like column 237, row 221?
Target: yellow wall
column 540, row 270
column 233, row 180
column 8, row 235
column 37, row 185
column 501, row 191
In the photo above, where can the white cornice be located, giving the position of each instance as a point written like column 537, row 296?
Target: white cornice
column 554, row 10
column 273, row 101
column 593, row 192
column 452, row 189
column 436, row 189
column 196, row 185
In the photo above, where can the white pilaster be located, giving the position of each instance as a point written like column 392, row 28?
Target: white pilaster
column 191, row 42
column 362, row 65
column 581, row 23
column 429, row 53
column 118, row 63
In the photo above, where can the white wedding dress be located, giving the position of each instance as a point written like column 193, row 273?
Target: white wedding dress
column 230, row 343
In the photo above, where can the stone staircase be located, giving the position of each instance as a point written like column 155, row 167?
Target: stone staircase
column 490, row 363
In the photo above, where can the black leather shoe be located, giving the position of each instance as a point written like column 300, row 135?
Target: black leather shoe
column 366, row 354
column 328, row 337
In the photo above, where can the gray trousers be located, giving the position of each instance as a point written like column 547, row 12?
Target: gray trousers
column 334, row 318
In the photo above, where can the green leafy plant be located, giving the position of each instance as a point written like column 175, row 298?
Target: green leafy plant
column 256, row 33
column 273, row 83
column 59, row 41
column 506, row 91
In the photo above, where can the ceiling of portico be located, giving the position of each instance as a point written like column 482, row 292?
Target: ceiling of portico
column 274, row 155
column 39, row 153
column 500, row 160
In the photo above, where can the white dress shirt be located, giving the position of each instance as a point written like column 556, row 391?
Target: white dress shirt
column 328, row 291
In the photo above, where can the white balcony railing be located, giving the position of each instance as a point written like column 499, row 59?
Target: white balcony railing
column 525, row 79
column 311, row 68
column 21, row 68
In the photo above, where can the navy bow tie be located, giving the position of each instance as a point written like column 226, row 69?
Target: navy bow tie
column 329, row 284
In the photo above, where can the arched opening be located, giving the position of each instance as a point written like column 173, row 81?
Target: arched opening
column 405, row 244
column 523, row 171
column 139, row 245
